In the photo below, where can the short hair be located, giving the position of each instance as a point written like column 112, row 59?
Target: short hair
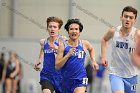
column 13, row 53
column 54, row 19
column 130, row 9
column 71, row 21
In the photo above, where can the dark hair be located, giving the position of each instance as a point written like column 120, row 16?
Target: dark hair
column 54, row 19
column 71, row 21
column 130, row 9
column 2, row 58
column 2, row 54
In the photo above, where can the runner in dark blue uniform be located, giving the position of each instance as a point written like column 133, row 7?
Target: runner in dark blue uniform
column 71, row 57
column 49, row 77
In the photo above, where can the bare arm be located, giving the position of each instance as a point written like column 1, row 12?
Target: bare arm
column 90, row 49
column 136, row 53
column 36, row 67
column 16, row 70
column 41, row 51
column 137, row 39
column 41, row 54
column 136, row 59
column 20, row 72
column 60, row 59
column 104, row 45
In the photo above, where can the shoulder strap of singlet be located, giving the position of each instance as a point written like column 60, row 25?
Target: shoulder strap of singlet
column 45, row 41
column 118, row 28
column 80, row 43
column 65, row 43
column 133, row 31
column 57, row 40
column 117, row 31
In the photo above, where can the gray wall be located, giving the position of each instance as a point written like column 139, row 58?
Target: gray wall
column 26, row 16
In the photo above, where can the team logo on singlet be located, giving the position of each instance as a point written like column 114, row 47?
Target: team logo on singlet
column 121, row 45
column 124, row 45
column 50, row 51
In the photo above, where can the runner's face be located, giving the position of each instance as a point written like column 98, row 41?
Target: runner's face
column 128, row 19
column 53, row 29
column 74, row 31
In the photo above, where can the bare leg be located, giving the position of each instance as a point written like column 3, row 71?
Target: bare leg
column 80, row 90
column 8, row 85
column 14, row 89
column 119, row 91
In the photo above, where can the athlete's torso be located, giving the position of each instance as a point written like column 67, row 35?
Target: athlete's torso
column 11, row 66
column 122, row 47
column 74, row 67
column 49, row 58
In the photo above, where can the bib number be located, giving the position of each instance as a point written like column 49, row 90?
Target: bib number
column 133, row 87
column 85, row 81
column 81, row 54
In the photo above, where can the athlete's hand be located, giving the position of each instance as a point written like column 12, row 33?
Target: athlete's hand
column 36, row 67
column 12, row 75
column 95, row 66
column 71, row 51
column 104, row 62
column 53, row 46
